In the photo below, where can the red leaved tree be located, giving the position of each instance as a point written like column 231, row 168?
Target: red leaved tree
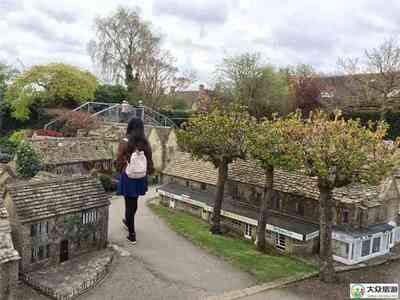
column 306, row 87
column 77, row 120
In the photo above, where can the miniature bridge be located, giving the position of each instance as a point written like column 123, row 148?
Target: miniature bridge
column 113, row 113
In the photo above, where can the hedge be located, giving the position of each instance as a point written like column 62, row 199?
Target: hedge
column 392, row 118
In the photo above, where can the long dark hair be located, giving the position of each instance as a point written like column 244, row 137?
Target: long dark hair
column 135, row 134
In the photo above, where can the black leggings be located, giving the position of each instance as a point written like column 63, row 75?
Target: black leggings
column 130, row 211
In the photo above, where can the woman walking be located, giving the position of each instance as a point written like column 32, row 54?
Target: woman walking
column 134, row 163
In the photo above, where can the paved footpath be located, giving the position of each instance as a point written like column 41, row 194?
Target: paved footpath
column 163, row 265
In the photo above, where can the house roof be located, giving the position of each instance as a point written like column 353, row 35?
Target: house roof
column 58, row 151
column 7, row 251
column 45, row 199
column 43, row 176
column 181, row 165
column 288, row 182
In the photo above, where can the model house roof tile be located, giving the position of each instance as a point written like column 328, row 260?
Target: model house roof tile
column 58, row 151
column 41, row 200
column 7, row 251
column 247, row 171
column 182, row 165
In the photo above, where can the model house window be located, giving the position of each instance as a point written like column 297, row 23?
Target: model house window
column 276, row 203
column 39, row 253
column 366, row 247
column 172, row 203
column 280, row 241
column 89, row 216
column 300, row 208
column 340, row 248
column 39, row 228
column 187, row 183
column 376, row 244
column 345, row 216
column 236, row 223
column 203, row 186
column 248, row 231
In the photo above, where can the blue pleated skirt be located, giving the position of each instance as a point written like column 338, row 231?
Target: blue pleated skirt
column 129, row 187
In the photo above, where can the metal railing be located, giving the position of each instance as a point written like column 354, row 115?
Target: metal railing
column 111, row 112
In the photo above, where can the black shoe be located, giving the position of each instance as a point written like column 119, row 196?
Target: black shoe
column 124, row 225
column 131, row 239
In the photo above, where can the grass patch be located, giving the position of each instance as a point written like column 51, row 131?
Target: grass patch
column 240, row 253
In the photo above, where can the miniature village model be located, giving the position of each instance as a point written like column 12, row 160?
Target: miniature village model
column 366, row 221
column 62, row 212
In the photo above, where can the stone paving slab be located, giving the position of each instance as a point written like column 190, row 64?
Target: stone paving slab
column 72, row 278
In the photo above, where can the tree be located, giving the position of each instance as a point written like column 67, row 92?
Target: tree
column 158, row 73
column 246, row 79
column 375, row 78
column 123, row 47
column 110, row 93
column 49, row 86
column 217, row 137
column 28, row 161
column 271, row 143
column 305, row 87
column 70, row 122
column 7, row 73
column 340, row 152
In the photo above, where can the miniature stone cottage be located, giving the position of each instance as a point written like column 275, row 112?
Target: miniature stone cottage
column 74, row 156
column 53, row 220
column 9, row 258
column 365, row 218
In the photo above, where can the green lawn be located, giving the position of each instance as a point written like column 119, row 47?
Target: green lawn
column 239, row 252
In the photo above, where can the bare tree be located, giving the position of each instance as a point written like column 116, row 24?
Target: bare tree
column 376, row 78
column 157, row 74
column 124, row 42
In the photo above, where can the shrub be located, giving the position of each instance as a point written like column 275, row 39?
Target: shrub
column 17, row 137
column 392, row 118
column 28, row 162
column 72, row 121
column 107, row 182
column 7, row 146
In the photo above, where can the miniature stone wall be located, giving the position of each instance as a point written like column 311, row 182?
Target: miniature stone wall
column 8, row 280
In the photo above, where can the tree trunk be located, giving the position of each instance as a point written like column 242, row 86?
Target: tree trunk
column 262, row 218
column 326, row 269
column 222, row 175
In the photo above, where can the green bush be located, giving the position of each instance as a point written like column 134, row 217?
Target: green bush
column 7, row 146
column 107, row 182
column 392, row 118
column 17, row 137
column 28, row 161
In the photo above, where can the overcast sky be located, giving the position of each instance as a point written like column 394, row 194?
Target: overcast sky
column 200, row 32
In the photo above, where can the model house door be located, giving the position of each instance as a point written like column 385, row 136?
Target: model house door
column 64, row 251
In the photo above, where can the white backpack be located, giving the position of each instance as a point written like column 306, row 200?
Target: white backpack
column 137, row 167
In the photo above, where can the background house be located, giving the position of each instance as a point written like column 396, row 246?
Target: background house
column 53, row 220
column 365, row 218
